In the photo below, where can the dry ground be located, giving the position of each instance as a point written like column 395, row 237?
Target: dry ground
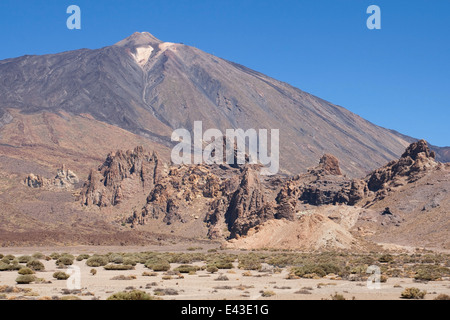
column 242, row 285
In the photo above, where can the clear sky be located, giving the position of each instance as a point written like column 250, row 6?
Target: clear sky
column 397, row 77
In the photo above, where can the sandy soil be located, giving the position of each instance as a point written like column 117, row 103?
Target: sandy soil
column 204, row 286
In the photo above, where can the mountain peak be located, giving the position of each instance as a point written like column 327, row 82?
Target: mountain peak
column 139, row 39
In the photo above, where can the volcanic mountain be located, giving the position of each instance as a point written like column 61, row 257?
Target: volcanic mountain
column 83, row 104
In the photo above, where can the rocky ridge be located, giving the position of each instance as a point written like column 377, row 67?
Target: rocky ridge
column 232, row 203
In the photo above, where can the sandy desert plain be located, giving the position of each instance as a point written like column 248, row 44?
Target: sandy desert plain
column 208, row 272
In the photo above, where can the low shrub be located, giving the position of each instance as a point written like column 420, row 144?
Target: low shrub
column 82, row 257
column 4, row 266
column 337, row 296
column 116, row 258
column 161, row 266
column 413, row 293
column 55, row 256
column 36, row 265
column 222, row 278
column 118, row 267
column 25, row 279
column 186, row 268
column 60, row 275
column 97, row 261
column 129, row 261
column 212, row 269
column 442, row 296
column 39, row 256
column 267, row 294
column 123, row 277
column 132, row 295
column 26, row 270
column 64, row 260
column 24, row 259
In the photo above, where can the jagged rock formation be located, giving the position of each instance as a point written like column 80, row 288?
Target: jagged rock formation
column 65, row 179
column 417, row 159
column 328, row 165
column 122, row 174
column 236, row 202
column 248, row 206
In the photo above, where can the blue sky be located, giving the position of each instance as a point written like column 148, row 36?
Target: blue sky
column 397, row 77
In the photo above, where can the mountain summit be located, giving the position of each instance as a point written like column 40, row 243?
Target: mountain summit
column 148, row 88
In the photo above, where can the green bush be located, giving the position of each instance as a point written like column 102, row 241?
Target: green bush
column 157, row 264
column 24, row 259
column 413, row 293
column 55, row 256
column 249, row 262
column 222, row 263
column 9, row 257
column 115, row 258
column 15, row 266
column 186, row 268
column 162, row 266
column 129, row 261
column 132, row 295
column 212, row 269
column 59, row 275
column 430, row 272
column 25, row 279
column 320, row 270
column 26, row 270
column 118, row 267
column 4, row 266
column 267, row 294
column 64, row 260
column 97, row 261
column 36, row 265
column 82, row 257
column 38, row 256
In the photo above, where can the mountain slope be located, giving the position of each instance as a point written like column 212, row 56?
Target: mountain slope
column 150, row 88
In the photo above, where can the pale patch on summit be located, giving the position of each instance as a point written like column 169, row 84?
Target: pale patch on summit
column 142, row 55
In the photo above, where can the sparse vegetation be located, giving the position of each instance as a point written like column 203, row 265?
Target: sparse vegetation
column 26, row 270
column 97, row 261
column 82, row 257
column 133, row 295
column 24, row 259
column 413, row 293
column 36, row 265
column 123, row 277
column 64, row 260
column 267, row 294
column 118, row 267
column 25, row 279
column 186, row 268
column 442, row 296
column 59, row 275
column 337, row 296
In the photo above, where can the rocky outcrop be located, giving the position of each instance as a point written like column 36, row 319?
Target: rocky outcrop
column 248, row 206
column 328, row 165
column 65, row 179
column 412, row 165
column 121, row 175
